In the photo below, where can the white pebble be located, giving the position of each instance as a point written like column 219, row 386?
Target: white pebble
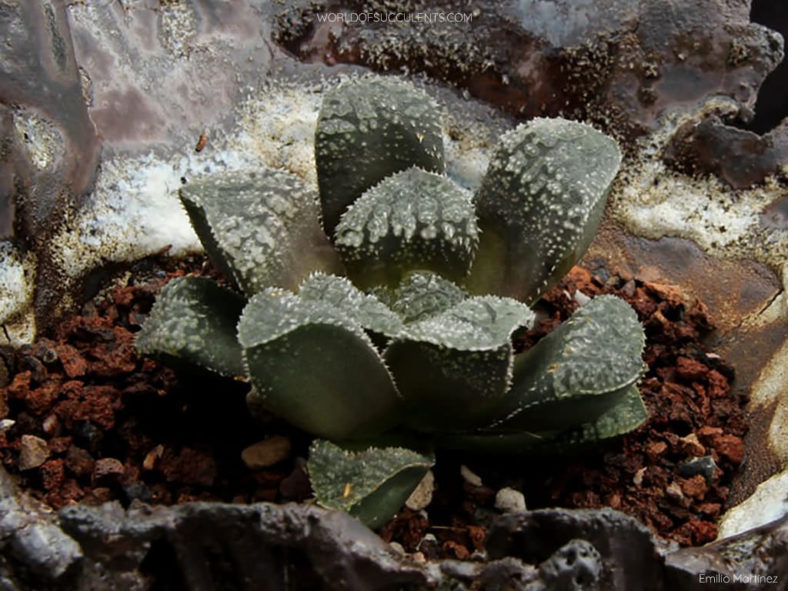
column 421, row 496
column 469, row 476
column 581, row 298
column 509, row 500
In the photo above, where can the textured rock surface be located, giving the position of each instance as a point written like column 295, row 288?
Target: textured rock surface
column 622, row 62
column 150, row 78
column 741, row 158
column 34, row 551
column 757, row 559
column 534, row 536
column 301, row 546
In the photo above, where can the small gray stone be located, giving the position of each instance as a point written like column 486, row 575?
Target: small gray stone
column 33, row 451
column 509, row 500
column 704, row 465
column 267, row 452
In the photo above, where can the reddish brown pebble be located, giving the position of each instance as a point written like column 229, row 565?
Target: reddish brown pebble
column 707, row 431
column 669, row 293
column 74, row 365
column 695, row 487
column 52, row 474
column 655, row 449
column 690, row 370
column 33, row 451
column 702, row 532
column 189, row 466
column 477, row 535
column 79, row 462
column 718, row 384
column 713, row 510
column 59, row 445
column 41, row 399
column 456, row 550
column 20, row 385
column 691, row 446
column 107, row 471
column 730, row 447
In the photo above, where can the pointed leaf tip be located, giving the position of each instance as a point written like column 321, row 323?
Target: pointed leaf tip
column 372, row 485
column 193, row 323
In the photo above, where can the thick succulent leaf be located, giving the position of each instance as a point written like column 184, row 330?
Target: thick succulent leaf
column 368, row 129
column 193, row 323
column 540, row 204
column 412, row 220
column 366, row 309
column 371, row 485
column 315, row 366
column 454, row 368
column 421, row 295
column 261, row 228
column 579, row 370
column 626, row 415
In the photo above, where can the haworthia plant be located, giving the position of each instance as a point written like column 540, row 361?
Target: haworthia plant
column 422, row 295
column 371, row 484
column 315, row 366
column 372, row 314
column 260, row 227
column 627, row 415
column 412, row 220
column 579, row 370
column 193, row 323
column 367, row 130
column 460, row 358
column 417, row 342
column 540, row 204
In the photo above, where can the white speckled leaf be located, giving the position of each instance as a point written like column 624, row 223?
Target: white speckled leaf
column 540, row 204
column 260, row 227
column 367, row 310
column 421, row 295
column 412, row 220
column 626, row 415
column 193, row 322
column 368, row 129
column 579, row 370
column 371, row 485
column 460, row 359
column 314, row 366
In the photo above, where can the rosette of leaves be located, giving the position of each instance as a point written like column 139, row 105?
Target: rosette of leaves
column 384, row 304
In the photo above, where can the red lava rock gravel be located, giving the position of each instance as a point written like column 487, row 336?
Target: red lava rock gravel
column 95, row 422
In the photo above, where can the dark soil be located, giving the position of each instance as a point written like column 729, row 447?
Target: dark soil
column 88, row 420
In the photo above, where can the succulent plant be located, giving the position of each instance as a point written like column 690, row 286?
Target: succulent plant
column 385, row 304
